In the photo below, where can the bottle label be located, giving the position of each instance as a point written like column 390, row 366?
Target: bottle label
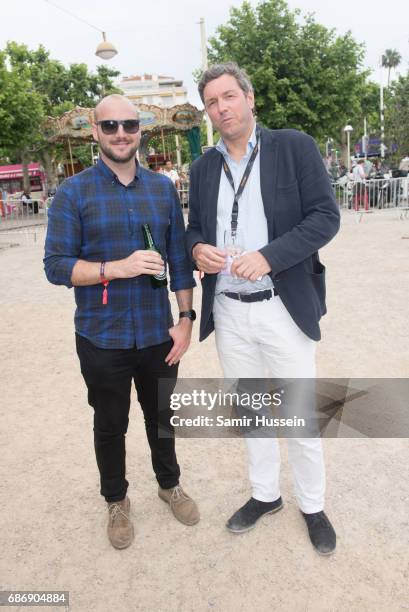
column 161, row 277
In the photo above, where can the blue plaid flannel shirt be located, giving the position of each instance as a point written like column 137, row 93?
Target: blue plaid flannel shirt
column 96, row 218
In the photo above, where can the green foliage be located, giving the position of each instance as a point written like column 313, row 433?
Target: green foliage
column 397, row 116
column 304, row 75
column 83, row 154
column 391, row 59
column 61, row 88
column 34, row 86
column 156, row 143
column 21, row 110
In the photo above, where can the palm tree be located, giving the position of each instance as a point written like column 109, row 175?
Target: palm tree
column 391, row 59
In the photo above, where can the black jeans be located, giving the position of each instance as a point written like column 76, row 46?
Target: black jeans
column 108, row 374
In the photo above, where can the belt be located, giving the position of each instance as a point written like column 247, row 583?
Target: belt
column 258, row 296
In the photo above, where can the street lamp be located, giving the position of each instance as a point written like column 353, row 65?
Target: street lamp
column 328, row 146
column 382, row 110
column 205, row 66
column 348, row 129
column 105, row 49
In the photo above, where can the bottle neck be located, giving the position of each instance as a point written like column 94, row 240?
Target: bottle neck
column 148, row 237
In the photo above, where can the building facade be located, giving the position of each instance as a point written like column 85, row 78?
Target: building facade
column 11, row 178
column 154, row 89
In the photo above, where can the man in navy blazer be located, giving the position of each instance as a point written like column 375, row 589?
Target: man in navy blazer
column 260, row 207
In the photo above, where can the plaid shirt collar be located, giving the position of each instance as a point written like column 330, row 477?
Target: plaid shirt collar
column 110, row 175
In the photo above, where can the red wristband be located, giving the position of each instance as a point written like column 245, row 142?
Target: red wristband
column 105, row 282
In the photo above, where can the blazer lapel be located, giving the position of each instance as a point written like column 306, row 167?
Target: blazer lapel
column 212, row 185
column 268, row 176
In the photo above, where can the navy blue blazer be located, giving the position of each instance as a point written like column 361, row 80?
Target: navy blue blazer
column 302, row 216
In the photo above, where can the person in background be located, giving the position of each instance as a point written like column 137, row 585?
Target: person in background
column 358, row 176
column 343, row 170
column 358, row 171
column 171, row 173
column 368, row 166
column 26, row 200
column 404, row 164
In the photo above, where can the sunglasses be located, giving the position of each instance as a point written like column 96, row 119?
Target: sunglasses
column 111, row 126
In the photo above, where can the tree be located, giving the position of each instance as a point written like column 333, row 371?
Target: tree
column 304, row 75
column 21, row 114
column 391, row 59
column 397, row 116
column 62, row 88
column 45, row 87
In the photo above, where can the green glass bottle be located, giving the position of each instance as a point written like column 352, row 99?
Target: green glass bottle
column 157, row 280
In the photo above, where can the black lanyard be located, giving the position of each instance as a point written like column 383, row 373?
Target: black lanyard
column 244, row 178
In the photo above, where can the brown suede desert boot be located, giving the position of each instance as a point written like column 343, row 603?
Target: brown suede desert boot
column 120, row 528
column 182, row 506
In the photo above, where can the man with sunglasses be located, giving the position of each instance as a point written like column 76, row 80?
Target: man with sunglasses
column 124, row 327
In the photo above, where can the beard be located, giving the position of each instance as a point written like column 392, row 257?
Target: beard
column 119, row 159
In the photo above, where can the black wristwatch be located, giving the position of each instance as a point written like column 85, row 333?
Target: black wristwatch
column 189, row 314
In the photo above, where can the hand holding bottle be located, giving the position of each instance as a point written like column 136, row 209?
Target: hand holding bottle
column 142, row 262
column 158, row 278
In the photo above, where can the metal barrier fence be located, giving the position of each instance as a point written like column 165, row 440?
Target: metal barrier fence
column 184, row 198
column 373, row 194
column 15, row 214
column 361, row 197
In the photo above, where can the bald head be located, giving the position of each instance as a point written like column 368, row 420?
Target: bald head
column 110, row 105
column 117, row 143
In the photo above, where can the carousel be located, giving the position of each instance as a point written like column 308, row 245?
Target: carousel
column 75, row 127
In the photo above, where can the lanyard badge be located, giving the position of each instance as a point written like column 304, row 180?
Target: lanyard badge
column 233, row 249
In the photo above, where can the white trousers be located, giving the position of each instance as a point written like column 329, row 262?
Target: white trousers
column 260, row 340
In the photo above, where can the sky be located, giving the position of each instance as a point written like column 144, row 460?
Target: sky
column 163, row 36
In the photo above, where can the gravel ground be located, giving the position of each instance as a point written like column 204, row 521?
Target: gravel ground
column 53, row 534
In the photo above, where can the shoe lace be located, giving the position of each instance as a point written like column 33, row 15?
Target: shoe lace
column 319, row 520
column 114, row 510
column 178, row 494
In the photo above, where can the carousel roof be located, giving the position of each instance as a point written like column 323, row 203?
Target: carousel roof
column 76, row 124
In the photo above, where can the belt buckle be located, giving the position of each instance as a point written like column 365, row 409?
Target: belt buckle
column 239, row 296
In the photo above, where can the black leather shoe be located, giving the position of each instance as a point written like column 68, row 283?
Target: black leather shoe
column 246, row 517
column 322, row 533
